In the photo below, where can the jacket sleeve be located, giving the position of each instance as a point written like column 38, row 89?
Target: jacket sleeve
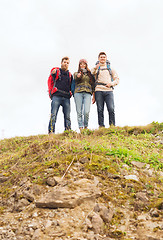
column 51, row 82
column 75, row 76
column 72, row 85
column 93, row 82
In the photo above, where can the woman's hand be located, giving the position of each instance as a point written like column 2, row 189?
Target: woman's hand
column 79, row 75
column 93, row 98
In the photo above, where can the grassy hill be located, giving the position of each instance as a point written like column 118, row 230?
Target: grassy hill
column 110, row 154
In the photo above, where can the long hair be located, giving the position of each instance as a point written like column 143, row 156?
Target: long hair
column 88, row 72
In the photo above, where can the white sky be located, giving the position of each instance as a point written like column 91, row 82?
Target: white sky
column 36, row 34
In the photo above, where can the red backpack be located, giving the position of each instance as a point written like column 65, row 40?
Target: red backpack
column 51, row 82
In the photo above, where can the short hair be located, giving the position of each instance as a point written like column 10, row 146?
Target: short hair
column 101, row 53
column 65, row 58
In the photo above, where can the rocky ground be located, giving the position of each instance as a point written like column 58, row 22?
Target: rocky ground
column 73, row 209
column 98, row 193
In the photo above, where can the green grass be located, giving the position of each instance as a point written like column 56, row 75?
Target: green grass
column 107, row 150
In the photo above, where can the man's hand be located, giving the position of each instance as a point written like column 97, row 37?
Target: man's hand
column 54, row 71
column 109, row 85
column 97, row 66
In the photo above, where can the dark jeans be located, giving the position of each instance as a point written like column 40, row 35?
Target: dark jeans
column 107, row 97
column 58, row 101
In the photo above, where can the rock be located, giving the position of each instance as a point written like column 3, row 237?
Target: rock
column 28, row 196
column 87, row 225
column 20, row 238
column 21, row 204
column 143, row 217
column 132, row 177
column 57, row 234
column 35, row 214
column 125, row 166
column 105, row 213
column 160, row 174
column 58, row 180
column 83, row 160
column 34, row 225
column 97, row 208
column 97, row 223
column 151, row 238
column 51, row 182
column 149, row 172
column 37, row 235
column 65, row 197
column 48, row 224
column 77, row 236
column 96, row 181
column 113, row 176
column 91, row 235
column 117, row 234
column 154, row 213
column 140, row 205
column 37, row 190
column 138, row 164
column 141, row 196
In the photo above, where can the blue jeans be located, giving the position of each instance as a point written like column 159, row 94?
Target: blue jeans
column 58, row 101
column 82, row 102
column 107, row 97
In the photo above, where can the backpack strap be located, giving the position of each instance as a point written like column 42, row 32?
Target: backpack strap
column 98, row 71
column 58, row 76
column 108, row 68
column 70, row 77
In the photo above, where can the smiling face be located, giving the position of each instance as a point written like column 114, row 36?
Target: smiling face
column 102, row 58
column 65, row 64
column 83, row 65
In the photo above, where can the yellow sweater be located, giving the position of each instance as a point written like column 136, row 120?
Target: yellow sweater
column 104, row 77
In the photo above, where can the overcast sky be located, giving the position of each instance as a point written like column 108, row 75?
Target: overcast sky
column 36, row 34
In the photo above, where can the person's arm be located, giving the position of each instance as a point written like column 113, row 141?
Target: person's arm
column 51, row 84
column 54, row 72
column 72, row 85
column 93, row 98
column 77, row 75
column 115, row 79
column 92, row 82
column 94, row 70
